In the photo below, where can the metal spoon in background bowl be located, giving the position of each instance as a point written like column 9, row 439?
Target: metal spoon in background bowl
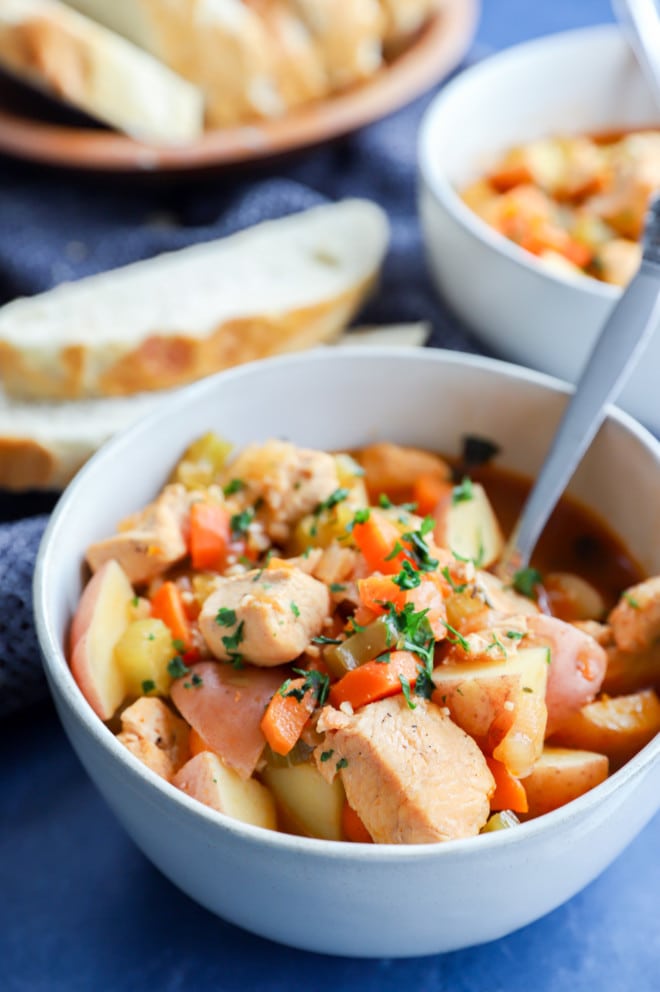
column 619, row 347
column 640, row 21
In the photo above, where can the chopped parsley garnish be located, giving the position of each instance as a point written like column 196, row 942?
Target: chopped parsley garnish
column 454, row 637
column 630, row 600
column 338, row 496
column 385, row 502
column 240, row 522
column 418, row 549
column 326, row 755
column 225, row 617
column 315, row 682
column 233, row 486
column 177, row 668
column 456, row 587
column 151, row 637
column 135, row 602
column 231, row 643
column 462, row 493
column 412, row 632
column 527, row 688
column 405, row 687
column 148, row 686
column 526, row 580
column 515, row 635
column 321, row 639
column 396, row 550
column 408, row 577
column 478, row 450
column 195, row 683
column 337, row 587
column 179, row 646
column 361, row 516
column 424, row 685
column 295, row 609
column 342, row 763
column 496, row 643
column 356, row 628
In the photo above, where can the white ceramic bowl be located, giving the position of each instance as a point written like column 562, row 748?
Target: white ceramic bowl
column 583, row 81
column 361, row 900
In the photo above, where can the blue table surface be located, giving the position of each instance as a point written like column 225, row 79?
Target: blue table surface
column 84, row 910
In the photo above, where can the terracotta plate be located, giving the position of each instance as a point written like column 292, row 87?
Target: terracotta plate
column 433, row 54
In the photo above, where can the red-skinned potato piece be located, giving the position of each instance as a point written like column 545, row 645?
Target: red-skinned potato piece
column 577, row 666
column 226, row 708
column 100, row 620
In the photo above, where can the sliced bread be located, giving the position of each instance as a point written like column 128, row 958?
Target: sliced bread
column 222, row 46
column 280, row 286
column 72, row 58
column 42, row 445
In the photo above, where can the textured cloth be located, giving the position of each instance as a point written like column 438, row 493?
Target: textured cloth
column 56, row 227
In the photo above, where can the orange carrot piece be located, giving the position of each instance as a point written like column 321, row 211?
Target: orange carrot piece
column 509, row 790
column 375, row 680
column 285, row 717
column 428, row 490
column 376, row 538
column 363, row 617
column 167, row 605
column 210, row 534
column 376, row 590
column 353, row 827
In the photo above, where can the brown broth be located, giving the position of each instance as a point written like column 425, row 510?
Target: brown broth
column 575, row 538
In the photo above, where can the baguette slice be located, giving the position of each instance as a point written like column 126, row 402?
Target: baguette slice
column 280, row 286
column 42, row 445
column 348, row 34
column 404, row 18
column 69, row 57
column 220, row 45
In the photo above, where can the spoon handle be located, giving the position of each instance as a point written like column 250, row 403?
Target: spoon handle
column 618, row 348
column 641, row 22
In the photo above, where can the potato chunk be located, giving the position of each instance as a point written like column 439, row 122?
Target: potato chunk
column 561, row 775
column 206, row 779
column 618, row 727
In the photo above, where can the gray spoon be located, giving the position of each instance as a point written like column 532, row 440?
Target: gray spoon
column 620, row 344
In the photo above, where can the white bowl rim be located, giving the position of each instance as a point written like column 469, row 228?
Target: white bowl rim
column 151, row 786
column 430, row 161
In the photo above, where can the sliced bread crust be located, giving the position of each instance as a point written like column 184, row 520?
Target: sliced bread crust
column 70, row 57
column 279, row 286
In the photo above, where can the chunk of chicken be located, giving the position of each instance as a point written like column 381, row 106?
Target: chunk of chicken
column 285, row 482
column 149, row 541
column 412, row 776
column 635, row 620
column 155, row 735
column 267, row 616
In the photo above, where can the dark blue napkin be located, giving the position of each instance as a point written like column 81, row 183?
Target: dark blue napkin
column 56, row 227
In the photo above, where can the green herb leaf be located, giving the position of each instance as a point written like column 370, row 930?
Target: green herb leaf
column 148, row 686
column 326, row 755
column 424, row 685
column 342, row 763
column 462, row 493
column 631, row 601
column 456, row 587
column 233, row 486
column 526, row 580
column 177, row 668
column 338, row 496
column 179, row 646
column 315, row 682
column 408, row 577
column 321, row 639
column 337, row 587
column 295, row 609
column 225, row 617
column 515, row 635
column 240, row 522
column 455, row 638
column 385, row 502
column 405, row 686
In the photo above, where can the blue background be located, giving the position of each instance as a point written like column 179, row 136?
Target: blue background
column 82, row 909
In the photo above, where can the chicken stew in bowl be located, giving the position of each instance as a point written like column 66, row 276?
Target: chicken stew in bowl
column 576, row 202
column 317, row 643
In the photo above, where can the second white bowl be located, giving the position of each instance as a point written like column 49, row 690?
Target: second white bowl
column 583, row 81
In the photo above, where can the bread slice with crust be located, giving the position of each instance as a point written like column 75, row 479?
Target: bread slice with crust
column 280, row 286
column 68, row 56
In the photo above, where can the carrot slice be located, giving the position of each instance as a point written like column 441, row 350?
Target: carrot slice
column 376, row 590
column 353, row 827
column 375, row 680
column 210, row 534
column 286, row 715
column 377, row 538
column 167, row 605
column 428, row 490
column 509, row 790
